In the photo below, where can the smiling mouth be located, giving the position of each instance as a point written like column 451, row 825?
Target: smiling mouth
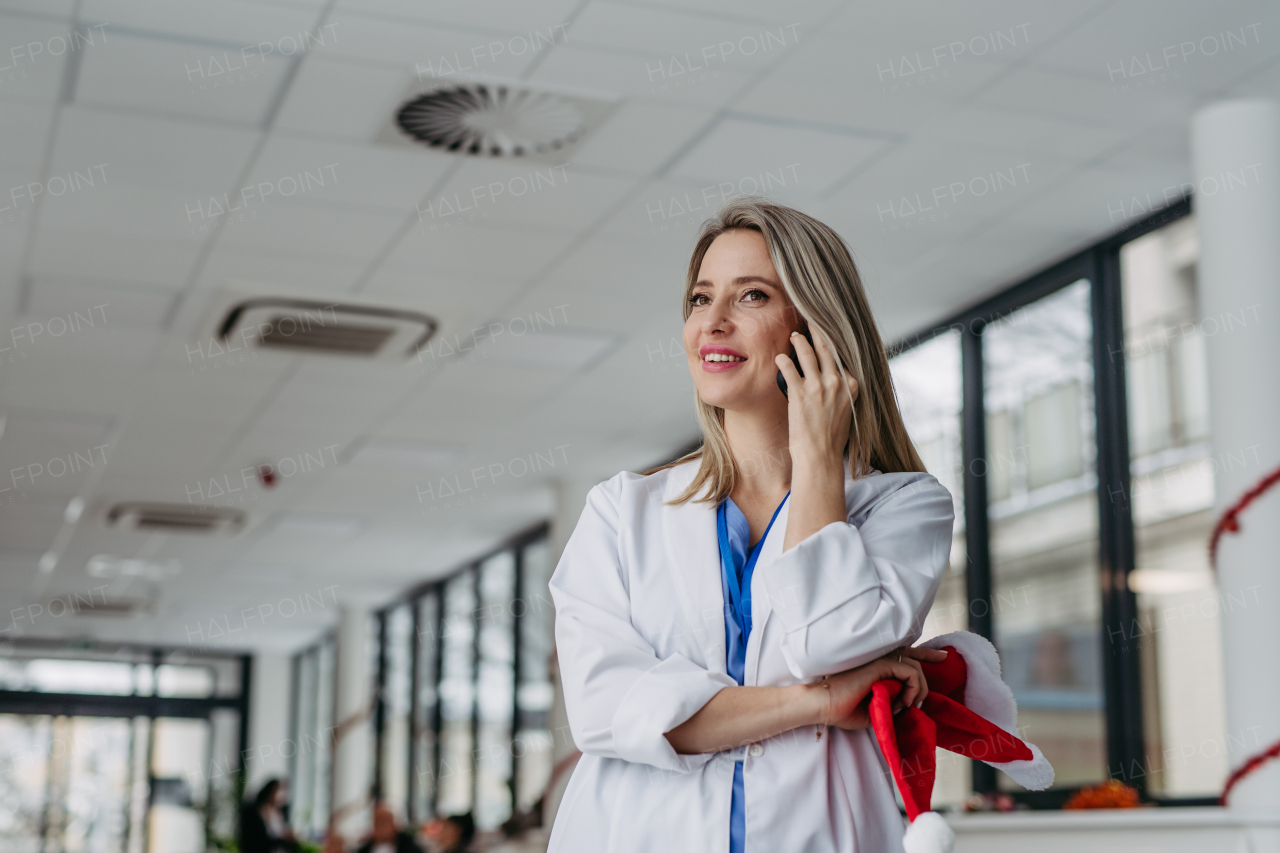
column 720, row 358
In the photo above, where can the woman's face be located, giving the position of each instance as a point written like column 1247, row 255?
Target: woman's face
column 281, row 797
column 741, row 320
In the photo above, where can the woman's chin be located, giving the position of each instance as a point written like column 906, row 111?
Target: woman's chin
column 736, row 399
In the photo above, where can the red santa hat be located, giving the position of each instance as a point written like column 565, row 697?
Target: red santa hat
column 969, row 711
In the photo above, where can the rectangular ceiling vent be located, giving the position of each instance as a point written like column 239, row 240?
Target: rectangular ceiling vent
column 175, row 518
column 330, row 328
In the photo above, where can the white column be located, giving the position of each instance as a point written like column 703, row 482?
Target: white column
column 352, row 706
column 571, row 497
column 268, row 753
column 1236, row 153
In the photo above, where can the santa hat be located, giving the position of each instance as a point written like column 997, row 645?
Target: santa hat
column 969, row 711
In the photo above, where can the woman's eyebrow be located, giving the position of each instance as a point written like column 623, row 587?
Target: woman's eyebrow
column 744, row 279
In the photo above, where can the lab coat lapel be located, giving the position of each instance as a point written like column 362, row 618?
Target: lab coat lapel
column 760, row 604
column 693, row 550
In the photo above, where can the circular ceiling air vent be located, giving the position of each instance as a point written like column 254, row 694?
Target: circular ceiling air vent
column 499, row 121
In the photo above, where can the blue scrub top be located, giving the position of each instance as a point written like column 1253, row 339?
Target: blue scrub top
column 736, row 566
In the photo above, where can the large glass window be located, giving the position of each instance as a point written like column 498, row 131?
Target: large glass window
column 143, row 759
column 465, row 695
column 1172, row 491
column 397, row 698
column 927, row 381
column 313, row 738
column 495, row 689
column 457, row 696
column 533, row 743
column 427, row 711
column 1043, row 512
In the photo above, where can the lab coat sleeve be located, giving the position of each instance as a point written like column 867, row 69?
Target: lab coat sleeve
column 621, row 698
column 848, row 594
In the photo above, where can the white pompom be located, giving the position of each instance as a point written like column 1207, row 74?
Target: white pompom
column 929, row 833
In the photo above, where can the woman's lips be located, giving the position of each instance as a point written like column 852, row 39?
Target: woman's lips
column 718, row 366
column 719, row 359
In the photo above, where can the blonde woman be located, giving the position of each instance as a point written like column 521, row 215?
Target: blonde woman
column 720, row 620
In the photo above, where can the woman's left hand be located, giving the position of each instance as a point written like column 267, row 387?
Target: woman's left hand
column 910, row 655
column 818, row 403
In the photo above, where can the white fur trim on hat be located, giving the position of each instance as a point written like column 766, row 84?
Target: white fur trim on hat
column 986, row 694
column 929, row 833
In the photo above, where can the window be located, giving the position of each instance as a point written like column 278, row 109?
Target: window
column 1172, row 494
column 128, row 749
column 1043, row 516
column 397, row 661
column 927, row 381
column 313, row 739
column 462, row 721
column 1085, row 482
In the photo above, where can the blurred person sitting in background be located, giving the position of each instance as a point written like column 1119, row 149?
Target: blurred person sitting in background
column 264, row 823
column 387, row 837
column 452, row 834
column 333, row 840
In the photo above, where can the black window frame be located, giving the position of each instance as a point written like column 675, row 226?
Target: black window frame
column 1122, row 683
column 516, row 544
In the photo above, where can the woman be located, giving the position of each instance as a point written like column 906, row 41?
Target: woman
column 720, row 620
column 264, row 823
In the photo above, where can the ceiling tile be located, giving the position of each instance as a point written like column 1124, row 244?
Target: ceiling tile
column 761, row 157
column 151, row 152
column 293, row 270
column 522, row 194
column 371, row 175
column 422, row 50
column 108, row 207
column 93, row 254
column 468, row 248
column 516, row 16
column 25, row 130
column 1136, row 47
column 233, row 22
column 31, row 66
column 112, row 304
column 692, row 40
column 321, row 231
column 345, row 100
column 1085, row 99
column 164, row 77
column 640, row 136
column 604, row 69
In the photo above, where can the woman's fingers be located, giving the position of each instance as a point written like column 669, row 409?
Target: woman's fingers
column 920, row 653
column 788, row 368
column 914, row 685
column 826, row 361
column 805, row 354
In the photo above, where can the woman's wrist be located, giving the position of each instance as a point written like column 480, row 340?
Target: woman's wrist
column 812, row 703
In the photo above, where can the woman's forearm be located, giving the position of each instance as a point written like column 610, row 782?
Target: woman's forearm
column 737, row 716
column 817, row 497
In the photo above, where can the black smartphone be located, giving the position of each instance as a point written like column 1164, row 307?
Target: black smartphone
column 782, row 382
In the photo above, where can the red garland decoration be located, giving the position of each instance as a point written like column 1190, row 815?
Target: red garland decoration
column 1248, row 767
column 1230, row 523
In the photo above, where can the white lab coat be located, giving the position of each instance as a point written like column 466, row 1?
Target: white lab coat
column 640, row 640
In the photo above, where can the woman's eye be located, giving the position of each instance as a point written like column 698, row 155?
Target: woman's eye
column 697, row 298
column 755, row 295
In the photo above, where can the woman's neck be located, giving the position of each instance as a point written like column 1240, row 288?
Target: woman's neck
column 760, row 443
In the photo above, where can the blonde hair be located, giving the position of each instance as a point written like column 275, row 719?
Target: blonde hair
column 821, row 280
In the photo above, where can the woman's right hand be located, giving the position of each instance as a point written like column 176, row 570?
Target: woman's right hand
column 849, row 692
